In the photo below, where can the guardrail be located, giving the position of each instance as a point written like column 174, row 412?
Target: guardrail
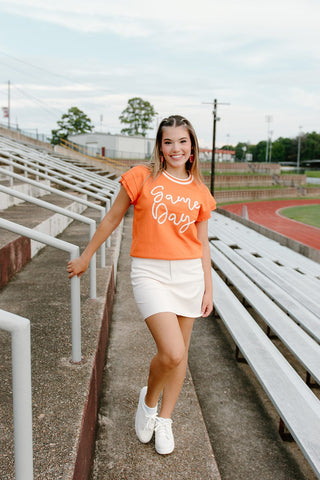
column 19, row 327
column 52, row 175
column 44, row 161
column 75, row 281
column 69, row 196
column 67, row 213
column 60, row 182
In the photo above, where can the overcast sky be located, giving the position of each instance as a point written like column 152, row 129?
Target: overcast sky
column 260, row 57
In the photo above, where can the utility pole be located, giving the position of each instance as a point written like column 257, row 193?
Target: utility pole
column 215, row 104
column 299, row 149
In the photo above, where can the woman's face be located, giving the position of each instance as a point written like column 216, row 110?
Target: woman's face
column 176, row 148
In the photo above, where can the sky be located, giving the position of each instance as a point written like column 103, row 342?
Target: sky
column 259, row 59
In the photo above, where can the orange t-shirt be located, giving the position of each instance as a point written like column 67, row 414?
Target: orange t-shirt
column 166, row 210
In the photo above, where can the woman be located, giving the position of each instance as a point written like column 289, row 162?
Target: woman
column 171, row 267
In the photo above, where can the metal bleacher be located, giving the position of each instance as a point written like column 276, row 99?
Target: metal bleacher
column 67, row 188
column 281, row 287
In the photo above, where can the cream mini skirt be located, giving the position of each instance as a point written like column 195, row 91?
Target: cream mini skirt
column 175, row 286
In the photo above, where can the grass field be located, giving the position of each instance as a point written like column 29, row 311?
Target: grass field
column 309, row 214
column 313, row 173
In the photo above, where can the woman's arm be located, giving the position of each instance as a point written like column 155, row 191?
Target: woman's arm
column 108, row 224
column 207, row 301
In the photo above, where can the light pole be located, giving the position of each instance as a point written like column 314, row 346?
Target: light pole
column 268, row 120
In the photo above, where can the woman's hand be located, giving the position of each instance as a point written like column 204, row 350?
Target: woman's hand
column 207, row 305
column 77, row 267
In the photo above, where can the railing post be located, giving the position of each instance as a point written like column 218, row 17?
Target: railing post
column 75, row 315
column 22, row 395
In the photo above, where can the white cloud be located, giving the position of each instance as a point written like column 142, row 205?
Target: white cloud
column 262, row 57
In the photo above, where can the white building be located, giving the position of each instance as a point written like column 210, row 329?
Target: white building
column 205, row 154
column 115, row 146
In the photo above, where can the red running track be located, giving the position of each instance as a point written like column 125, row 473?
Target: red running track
column 268, row 215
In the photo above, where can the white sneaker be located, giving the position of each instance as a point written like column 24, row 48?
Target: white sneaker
column 164, row 436
column 144, row 422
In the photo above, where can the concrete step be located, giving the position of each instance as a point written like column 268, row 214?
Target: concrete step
column 118, row 452
column 7, row 201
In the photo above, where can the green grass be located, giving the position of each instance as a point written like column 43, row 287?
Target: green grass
column 309, row 214
column 313, row 173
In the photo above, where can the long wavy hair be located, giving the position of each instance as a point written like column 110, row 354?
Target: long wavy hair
column 192, row 168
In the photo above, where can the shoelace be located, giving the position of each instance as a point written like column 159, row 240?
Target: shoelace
column 164, row 427
column 150, row 420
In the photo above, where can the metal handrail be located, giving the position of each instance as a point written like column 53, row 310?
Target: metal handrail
column 19, row 327
column 45, row 159
column 69, row 196
column 67, row 213
column 75, row 281
column 53, row 178
column 59, row 182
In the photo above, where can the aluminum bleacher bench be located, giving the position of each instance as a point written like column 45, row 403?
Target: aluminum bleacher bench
column 307, row 299
column 303, row 347
column 234, row 233
column 304, row 317
column 294, row 401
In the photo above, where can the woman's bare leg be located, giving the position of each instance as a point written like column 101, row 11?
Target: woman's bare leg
column 168, row 367
column 168, row 335
column 175, row 381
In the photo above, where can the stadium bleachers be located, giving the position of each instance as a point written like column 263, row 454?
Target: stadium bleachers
column 43, row 199
column 282, row 288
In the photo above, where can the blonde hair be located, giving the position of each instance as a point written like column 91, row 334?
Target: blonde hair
column 192, row 168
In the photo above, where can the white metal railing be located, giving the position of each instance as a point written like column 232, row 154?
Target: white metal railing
column 50, row 175
column 75, row 281
column 67, row 213
column 57, row 181
column 19, row 328
column 44, row 160
column 61, row 193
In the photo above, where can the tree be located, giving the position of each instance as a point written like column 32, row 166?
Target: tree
column 240, row 149
column 138, row 115
column 73, row 122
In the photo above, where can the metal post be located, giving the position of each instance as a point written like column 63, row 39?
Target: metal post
column 75, row 281
column 213, row 146
column 75, row 315
column 22, row 395
column 299, row 150
column 93, row 266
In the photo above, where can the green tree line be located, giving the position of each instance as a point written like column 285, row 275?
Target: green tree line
column 282, row 149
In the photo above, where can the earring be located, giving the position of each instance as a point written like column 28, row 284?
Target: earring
column 191, row 158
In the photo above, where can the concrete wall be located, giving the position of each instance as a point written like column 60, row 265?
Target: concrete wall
column 247, row 195
column 227, row 181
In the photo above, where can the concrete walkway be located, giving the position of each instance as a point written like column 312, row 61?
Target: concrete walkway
column 119, row 454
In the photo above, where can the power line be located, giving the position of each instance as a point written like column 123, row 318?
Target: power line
column 58, row 75
column 42, row 104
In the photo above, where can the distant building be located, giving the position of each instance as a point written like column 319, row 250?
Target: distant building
column 220, row 155
column 115, row 146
